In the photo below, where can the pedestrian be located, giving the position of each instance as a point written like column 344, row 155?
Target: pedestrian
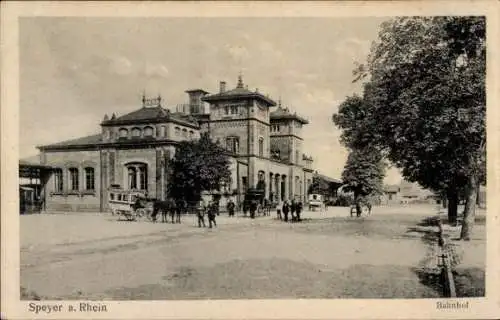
column 200, row 213
column 253, row 208
column 299, row 210
column 212, row 213
column 286, row 208
column 293, row 208
column 230, row 208
column 278, row 210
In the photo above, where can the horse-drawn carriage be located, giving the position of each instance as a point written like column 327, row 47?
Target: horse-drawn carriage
column 257, row 198
column 316, row 201
column 123, row 203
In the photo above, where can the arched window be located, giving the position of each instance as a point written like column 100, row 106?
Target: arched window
column 123, row 133
column 177, row 131
column 89, row 178
column 191, row 134
column 163, row 131
column 73, row 179
column 184, row 133
column 297, row 159
column 148, row 131
column 261, row 147
column 132, row 177
column 233, row 144
column 261, row 175
column 136, row 133
column 137, row 175
column 58, row 180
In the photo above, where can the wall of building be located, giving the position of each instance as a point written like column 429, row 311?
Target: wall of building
column 68, row 200
column 147, row 156
column 230, row 110
column 259, row 111
column 219, row 131
column 285, row 146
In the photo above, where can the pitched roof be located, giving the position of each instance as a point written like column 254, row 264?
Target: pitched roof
column 83, row 141
column 239, row 92
column 391, row 188
column 153, row 114
column 283, row 113
column 328, row 179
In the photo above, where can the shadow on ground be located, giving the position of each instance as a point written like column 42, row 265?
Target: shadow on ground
column 271, row 278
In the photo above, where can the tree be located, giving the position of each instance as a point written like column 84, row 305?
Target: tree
column 196, row 167
column 364, row 174
column 424, row 105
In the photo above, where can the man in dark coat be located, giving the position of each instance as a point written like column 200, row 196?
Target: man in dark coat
column 253, row 208
column 293, row 209
column 212, row 212
column 298, row 210
column 286, row 209
column 230, row 208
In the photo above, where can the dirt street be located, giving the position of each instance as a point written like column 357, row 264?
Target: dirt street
column 328, row 255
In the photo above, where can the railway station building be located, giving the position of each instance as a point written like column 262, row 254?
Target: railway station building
column 131, row 151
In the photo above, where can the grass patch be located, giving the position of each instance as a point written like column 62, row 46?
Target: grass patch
column 470, row 282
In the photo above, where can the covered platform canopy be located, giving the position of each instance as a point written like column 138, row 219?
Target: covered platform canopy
column 33, row 180
column 29, row 169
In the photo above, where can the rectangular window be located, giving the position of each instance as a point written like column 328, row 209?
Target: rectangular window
column 73, row 179
column 244, row 184
column 226, row 109
column 261, row 147
column 143, row 177
column 234, row 109
column 89, row 179
column 58, row 180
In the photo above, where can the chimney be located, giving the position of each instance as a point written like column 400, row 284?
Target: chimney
column 222, row 86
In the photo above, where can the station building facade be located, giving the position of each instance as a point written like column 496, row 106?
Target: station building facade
column 263, row 139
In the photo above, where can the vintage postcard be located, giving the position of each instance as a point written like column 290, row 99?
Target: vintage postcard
column 260, row 160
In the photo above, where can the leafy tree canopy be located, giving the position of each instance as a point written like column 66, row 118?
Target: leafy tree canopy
column 198, row 165
column 423, row 103
column 364, row 172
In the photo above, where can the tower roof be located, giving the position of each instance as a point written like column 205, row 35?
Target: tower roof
column 284, row 114
column 239, row 92
column 196, row 90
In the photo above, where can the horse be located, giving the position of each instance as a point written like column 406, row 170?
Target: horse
column 363, row 202
column 180, row 208
column 165, row 206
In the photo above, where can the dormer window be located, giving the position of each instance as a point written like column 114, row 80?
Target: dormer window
column 123, row 133
column 148, row 132
column 136, row 133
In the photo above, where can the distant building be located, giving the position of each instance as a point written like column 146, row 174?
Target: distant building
column 405, row 193
column 132, row 149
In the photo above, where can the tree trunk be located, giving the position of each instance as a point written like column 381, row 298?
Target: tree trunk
column 470, row 208
column 445, row 202
column 358, row 205
column 452, row 206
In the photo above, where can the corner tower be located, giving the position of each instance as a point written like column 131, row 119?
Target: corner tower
column 239, row 120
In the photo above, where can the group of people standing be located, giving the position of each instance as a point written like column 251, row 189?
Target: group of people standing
column 211, row 210
column 286, row 207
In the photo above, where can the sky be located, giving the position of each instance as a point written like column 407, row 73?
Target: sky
column 73, row 71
